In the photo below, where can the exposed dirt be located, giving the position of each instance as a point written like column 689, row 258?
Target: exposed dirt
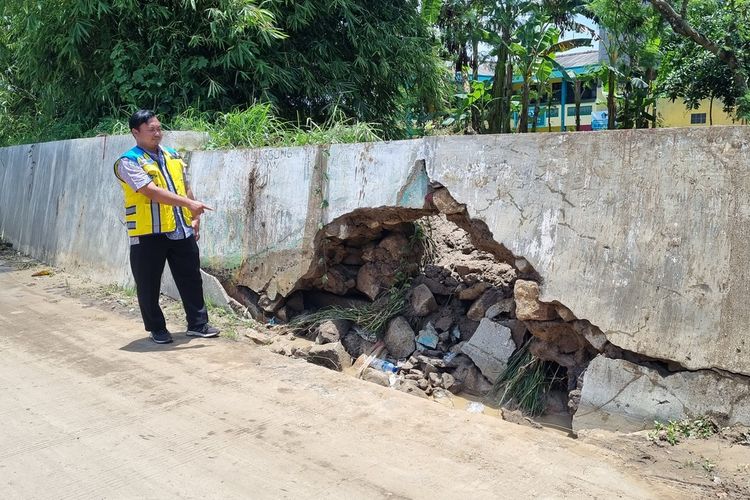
column 93, row 409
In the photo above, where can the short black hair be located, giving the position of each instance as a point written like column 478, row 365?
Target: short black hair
column 140, row 117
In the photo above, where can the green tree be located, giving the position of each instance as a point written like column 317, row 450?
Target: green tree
column 71, row 63
column 535, row 44
column 692, row 73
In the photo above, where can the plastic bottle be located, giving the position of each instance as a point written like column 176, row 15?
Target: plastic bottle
column 383, row 365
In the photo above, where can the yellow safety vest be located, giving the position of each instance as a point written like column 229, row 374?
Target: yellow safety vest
column 142, row 215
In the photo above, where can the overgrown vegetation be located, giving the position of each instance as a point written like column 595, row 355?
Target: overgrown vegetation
column 675, row 431
column 372, row 318
column 68, row 66
column 332, row 69
column 258, row 126
column 525, row 382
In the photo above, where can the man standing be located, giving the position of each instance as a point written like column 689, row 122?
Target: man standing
column 163, row 222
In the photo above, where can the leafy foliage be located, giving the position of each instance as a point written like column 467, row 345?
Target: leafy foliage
column 691, row 73
column 72, row 63
column 675, row 431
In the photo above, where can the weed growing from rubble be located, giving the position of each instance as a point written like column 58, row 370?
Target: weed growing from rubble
column 675, row 431
column 525, row 382
column 372, row 317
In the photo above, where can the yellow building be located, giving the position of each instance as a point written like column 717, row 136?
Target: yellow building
column 676, row 114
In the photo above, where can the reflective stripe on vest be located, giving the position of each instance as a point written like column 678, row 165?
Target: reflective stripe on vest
column 143, row 216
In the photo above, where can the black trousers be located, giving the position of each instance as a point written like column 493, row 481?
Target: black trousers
column 147, row 260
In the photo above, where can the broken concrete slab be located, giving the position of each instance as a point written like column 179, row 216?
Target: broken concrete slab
column 621, row 396
column 490, row 348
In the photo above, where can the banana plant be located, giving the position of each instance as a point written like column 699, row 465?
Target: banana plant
column 535, row 43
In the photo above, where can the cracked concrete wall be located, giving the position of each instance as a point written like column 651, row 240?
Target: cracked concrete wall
column 60, row 203
column 639, row 232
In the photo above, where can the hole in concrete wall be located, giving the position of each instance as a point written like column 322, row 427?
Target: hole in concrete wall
column 432, row 291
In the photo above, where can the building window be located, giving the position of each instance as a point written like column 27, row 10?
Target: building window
column 554, row 112
column 697, row 118
column 585, row 110
column 588, row 94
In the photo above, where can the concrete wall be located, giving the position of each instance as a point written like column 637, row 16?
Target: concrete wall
column 640, row 232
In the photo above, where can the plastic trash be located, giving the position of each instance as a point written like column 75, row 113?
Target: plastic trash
column 475, row 407
column 383, row 365
column 428, row 336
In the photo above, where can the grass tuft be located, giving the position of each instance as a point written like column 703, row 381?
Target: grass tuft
column 524, row 383
column 371, row 317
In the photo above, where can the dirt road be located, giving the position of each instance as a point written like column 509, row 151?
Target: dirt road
column 92, row 409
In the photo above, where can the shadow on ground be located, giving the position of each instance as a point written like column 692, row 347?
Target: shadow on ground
column 181, row 341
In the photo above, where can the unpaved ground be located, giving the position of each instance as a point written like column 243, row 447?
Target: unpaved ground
column 92, row 409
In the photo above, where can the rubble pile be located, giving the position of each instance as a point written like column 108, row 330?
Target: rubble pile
column 466, row 311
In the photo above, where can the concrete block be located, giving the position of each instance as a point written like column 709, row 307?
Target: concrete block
column 490, row 348
column 621, row 396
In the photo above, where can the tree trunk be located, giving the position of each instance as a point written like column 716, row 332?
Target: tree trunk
column 508, row 97
column 476, row 116
column 498, row 110
column 523, row 122
column 549, row 111
column 577, row 100
column 536, row 106
column 611, row 104
column 711, row 111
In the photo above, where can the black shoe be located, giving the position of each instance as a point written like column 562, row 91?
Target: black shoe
column 205, row 331
column 161, row 336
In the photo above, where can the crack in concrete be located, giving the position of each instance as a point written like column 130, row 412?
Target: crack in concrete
column 584, row 236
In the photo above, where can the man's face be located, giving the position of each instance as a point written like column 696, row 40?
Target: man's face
column 148, row 135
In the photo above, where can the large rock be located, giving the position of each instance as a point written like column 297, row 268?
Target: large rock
column 482, row 304
column 563, row 335
column 528, row 307
column 332, row 330
column 399, row 338
column 490, row 348
column 474, row 291
column 505, row 307
column 376, row 377
column 622, row 396
column 468, row 378
column 332, row 356
column 356, row 345
column 422, row 300
column 517, row 329
column 368, row 281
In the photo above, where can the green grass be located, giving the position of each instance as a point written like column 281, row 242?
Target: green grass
column 675, row 431
column 115, row 289
column 524, row 383
column 229, row 332
column 256, row 126
column 371, row 317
